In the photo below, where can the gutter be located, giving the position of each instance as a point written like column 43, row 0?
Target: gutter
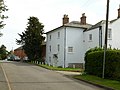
column 100, row 36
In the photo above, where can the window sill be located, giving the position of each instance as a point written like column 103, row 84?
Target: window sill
column 90, row 41
column 109, row 39
column 70, row 52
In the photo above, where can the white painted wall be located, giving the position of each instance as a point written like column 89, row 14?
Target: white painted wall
column 116, row 34
column 69, row 37
column 95, row 39
column 54, row 46
column 74, row 38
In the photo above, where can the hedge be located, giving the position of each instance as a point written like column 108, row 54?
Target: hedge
column 94, row 63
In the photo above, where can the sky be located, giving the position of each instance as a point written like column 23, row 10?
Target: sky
column 50, row 14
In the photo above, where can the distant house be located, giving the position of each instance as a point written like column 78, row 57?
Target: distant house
column 66, row 45
column 19, row 52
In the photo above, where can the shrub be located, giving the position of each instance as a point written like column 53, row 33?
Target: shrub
column 94, row 63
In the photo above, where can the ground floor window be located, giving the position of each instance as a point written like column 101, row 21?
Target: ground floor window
column 70, row 49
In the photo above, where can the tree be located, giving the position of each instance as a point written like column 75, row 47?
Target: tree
column 3, row 52
column 3, row 8
column 32, row 39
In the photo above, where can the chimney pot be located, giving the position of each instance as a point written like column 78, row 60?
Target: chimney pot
column 83, row 19
column 65, row 19
column 119, row 12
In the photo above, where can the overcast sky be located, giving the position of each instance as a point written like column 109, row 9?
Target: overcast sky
column 50, row 13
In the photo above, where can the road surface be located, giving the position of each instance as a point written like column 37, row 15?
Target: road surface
column 23, row 76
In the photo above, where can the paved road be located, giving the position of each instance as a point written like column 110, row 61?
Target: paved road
column 3, row 84
column 23, row 76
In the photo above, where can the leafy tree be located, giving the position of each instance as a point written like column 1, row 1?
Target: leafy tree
column 3, row 8
column 3, row 52
column 32, row 39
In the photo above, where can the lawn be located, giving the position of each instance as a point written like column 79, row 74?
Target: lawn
column 62, row 69
column 97, row 80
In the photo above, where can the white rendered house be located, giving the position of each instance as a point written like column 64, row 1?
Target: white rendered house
column 95, row 36
column 67, row 44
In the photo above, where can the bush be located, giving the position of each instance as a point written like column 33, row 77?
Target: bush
column 94, row 63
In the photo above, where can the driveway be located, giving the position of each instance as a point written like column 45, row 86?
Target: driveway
column 23, row 76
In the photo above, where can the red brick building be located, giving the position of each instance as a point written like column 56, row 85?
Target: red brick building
column 20, row 53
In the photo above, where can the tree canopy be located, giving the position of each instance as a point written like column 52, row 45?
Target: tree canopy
column 3, row 52
column 32, row 38
column 3, row 8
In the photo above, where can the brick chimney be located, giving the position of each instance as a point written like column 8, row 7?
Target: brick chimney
column 65, row 19
column 83, row 19
column 119, row 12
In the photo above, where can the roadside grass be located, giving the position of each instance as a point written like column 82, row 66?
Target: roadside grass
column 97, row 80
column 62, row 69
column 115, row 85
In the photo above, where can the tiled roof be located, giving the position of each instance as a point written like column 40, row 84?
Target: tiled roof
column 97, row 25
column 75, row 24
column 113, row 20
column 100, row 23
column 87, row 27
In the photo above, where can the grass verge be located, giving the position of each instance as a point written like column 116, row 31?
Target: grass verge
column 99, row 81
column 62, row 69
column 115, row 85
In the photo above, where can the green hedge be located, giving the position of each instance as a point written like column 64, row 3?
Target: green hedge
column 94, row 63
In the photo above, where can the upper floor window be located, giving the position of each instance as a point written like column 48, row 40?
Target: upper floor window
column 50, row 37
column 109, row 33
column 90, row 37
column 58, row 34
column 50, row 48
column 58, row 47
column 70, row 49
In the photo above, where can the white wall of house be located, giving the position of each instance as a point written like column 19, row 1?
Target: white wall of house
column 74, row 38
column 93, row 41
column 115, row 27
column 96, row 37
column 109, row 40
column 69, row 37
column 54, row 41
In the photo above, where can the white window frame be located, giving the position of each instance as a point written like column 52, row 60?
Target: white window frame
column 90, row 37
column 109, row 33
column 50, row 37
column 50, row 48
column 58, row 35
column 70, row 49
column 58, row 47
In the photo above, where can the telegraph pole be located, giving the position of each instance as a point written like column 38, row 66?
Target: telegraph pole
column 106, row 32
